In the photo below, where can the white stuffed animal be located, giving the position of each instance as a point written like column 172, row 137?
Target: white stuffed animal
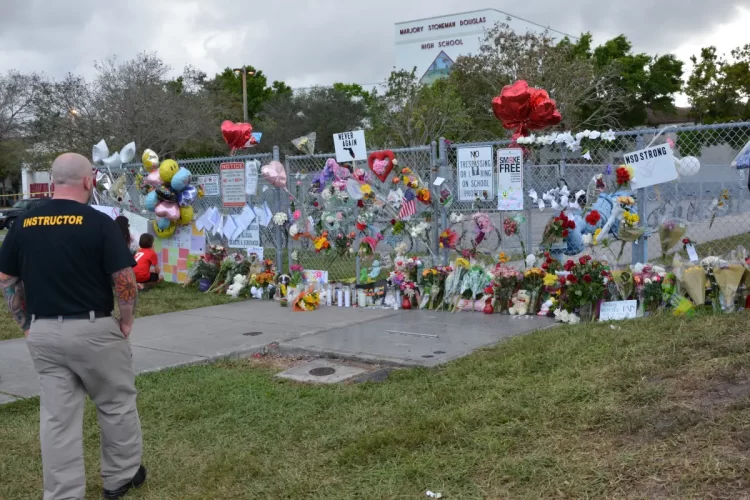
column 520, row 303
column 256, row 292
column 237, row 285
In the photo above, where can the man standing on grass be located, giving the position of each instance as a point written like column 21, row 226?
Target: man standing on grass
column 58, row 265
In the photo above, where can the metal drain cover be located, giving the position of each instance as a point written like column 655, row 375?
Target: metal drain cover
column 322, row 371
column 252, row 334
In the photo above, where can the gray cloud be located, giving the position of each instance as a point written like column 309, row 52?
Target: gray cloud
column 303, row 43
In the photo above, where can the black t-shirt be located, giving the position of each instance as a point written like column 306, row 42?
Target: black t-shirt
column 65, row 253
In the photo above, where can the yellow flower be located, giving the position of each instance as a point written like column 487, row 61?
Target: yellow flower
column 596, row 236
column 626, row 200
column 365, row 188
column 550, row 280
column 461, row 262
column 503, row 258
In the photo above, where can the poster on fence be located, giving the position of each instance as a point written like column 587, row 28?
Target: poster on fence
column 350, row 146
column 651, row 166
column 510, row 179
column 475, row 174
column 250, row 237
column 233, row 184
column 210, row 184
column 251, row 176
column 178, row 253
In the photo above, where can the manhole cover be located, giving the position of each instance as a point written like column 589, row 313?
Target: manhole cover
column 252, row 334
column 322, row 371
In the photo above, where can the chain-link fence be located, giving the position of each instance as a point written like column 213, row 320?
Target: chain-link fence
column 713, row 201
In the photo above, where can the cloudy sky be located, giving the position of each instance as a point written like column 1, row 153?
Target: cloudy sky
column 306, row 43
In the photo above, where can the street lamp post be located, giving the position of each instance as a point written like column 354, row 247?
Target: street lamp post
column 245, row 74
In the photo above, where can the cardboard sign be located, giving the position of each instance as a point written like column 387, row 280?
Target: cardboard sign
column 475, row 174
column 510, row 179
column 210, row 184
column 654, row 165
column 233, row 184
column 350, row 146
column 619, row 310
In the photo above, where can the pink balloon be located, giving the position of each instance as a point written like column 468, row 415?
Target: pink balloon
column 154, row 179
column 168, row 210
column 275, row 174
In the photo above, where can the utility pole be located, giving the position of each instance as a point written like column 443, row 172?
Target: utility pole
column 245, row 74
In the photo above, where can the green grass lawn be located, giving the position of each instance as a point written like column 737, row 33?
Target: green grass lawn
column 656, row 408
column 164, row 298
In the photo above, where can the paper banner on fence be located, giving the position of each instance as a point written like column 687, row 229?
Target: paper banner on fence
column 219, row 228
column 250, row 237
column 245, row 218
column 138, row 224
column 229, row 226
column 251, row 177
column 268, row 214
column 316, row 277
column 178, row 253
column 204, row 221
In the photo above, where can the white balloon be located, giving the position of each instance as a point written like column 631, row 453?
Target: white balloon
column 127, row 153
column 100, row 152
column 688, row 166
column 113, row 161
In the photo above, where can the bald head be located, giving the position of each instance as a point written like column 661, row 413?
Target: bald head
column 70, row 169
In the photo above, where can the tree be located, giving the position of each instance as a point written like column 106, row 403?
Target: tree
column 228, row 85
column 17, row 93
column 324, row 110
column 413, row 114
column 719, row 88
column 648, row 82
column 587, row 96
column 129, row 101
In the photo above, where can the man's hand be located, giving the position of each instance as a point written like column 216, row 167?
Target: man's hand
column 126, row 328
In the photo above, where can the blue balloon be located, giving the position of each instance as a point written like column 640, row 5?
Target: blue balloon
column 187, row 196
column 181, row 179
column 151, row 201
column 163, row 223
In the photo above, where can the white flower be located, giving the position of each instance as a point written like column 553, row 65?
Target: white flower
column 580, row 136
column 638, row 268
column 574, row 145
column 295, row 255
column 280, row 219
column 456, row 218
column 573, row 319
column 351, row 250
column 401, row 248
column 608, row 135
column 588, row 239
column 595, row 134
column 343, row 195
column 648, row 281
column 587, row 134
column 659, row 270
column 563, row 137
column 326, row 194
column 541, row 140
column 330, row 219
column 530, row 260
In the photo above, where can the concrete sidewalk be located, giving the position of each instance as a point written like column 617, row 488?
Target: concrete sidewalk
column 406, row 338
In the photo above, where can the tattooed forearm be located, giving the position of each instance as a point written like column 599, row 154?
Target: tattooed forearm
column 15, row 297
column 126, row 291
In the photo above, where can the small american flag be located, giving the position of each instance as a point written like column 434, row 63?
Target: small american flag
column 408, row 208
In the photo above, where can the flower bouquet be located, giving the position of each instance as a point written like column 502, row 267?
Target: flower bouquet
column 434, row 286
column 692, row 278
column 670, row 232
column 629, row 230
column 533, row 281
column 308, row 300
column 583, row 286
column 473, row 285
column 454, row 280
column 504, row 283
column 728, row 276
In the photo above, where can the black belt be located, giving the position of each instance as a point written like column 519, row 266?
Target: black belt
column 69, row 317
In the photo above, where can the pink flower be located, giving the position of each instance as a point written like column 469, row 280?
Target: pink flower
column 297, row 214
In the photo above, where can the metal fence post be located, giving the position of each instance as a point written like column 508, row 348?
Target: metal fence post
column 443, row 172
column 437, row 208
column 277, row 229
column 640, row 251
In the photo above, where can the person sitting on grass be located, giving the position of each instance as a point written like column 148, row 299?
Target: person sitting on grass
column 145, row 259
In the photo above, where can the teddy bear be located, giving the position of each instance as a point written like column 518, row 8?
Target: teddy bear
column 520, row 303
column 237, row 285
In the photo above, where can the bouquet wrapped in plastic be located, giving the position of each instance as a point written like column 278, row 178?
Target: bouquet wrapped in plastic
column 728, row 275
column 692, row 278
column 308, row 300
column 671, row 232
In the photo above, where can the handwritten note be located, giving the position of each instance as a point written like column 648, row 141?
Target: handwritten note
column 619, row 310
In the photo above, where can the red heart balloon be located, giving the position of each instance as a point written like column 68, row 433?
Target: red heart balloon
column 522, row 108
column 236, row 135
column 381, row 170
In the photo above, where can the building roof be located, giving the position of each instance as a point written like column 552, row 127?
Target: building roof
column 677, row 116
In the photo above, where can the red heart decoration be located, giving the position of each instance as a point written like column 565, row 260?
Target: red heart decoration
column 380, row 156
column 236, row 135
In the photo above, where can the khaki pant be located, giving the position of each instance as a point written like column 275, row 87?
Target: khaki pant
column 74, row 358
